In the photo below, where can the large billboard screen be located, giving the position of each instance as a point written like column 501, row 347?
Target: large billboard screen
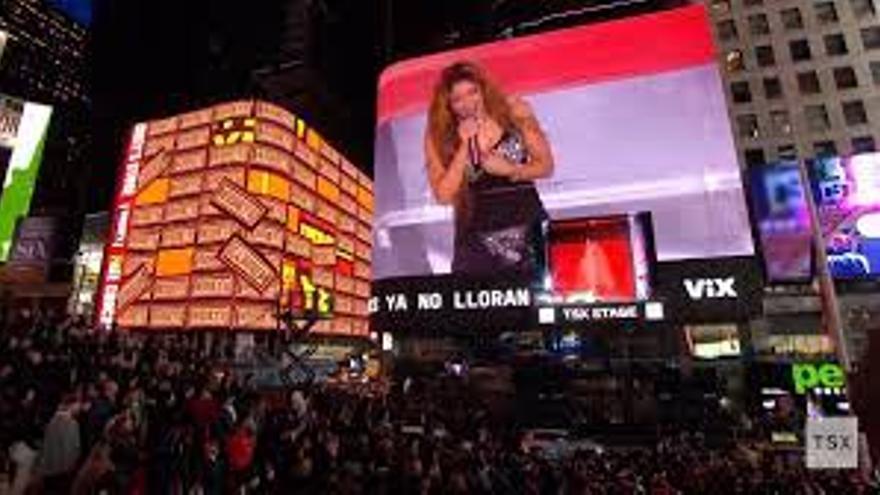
column 615, row 118
column 23, row 129
column 847, row 195
column 228, row 217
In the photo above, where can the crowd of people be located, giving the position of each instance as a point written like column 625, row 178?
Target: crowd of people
column 85, row 411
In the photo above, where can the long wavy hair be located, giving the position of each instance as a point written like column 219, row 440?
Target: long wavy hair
column 442, row 122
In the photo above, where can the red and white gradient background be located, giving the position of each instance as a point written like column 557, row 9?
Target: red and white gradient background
column 634, row 111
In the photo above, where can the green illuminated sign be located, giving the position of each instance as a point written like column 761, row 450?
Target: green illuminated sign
column 812, row 376
column 21, row 175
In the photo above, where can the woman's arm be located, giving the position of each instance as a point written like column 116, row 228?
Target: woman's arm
column 540, row 163
column 445, row 179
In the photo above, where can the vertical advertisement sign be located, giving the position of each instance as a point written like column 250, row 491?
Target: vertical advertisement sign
column 115, row 250
column 24, row 164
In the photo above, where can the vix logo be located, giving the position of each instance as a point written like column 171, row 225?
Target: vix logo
column 710, row 288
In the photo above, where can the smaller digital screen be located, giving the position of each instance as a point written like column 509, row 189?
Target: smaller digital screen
column 783, row 221
column 598, row 259
column 847, row 192
column 847, row 195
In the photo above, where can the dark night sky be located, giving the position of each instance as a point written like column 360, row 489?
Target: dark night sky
column 78, row 10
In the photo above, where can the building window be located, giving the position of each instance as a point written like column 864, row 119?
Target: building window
column 758, row 24
column 800, row 50
column 772, row 88
column 817, row 118
column 875, row 72
column 825, row 148
column 863, row 8
column 727, row 30
column 781, row 122
column 720, row 7
column 808, row 83
column 765, row 56
column 871, row 37
column 864, row 144
column 747, row 124
column 741, row 92
column 787, row 152
column 845, row 78
column 734, row 61
column 755, row 157
column 854, row 112
column 792, row 18
column 835, row 44
column 826, row 13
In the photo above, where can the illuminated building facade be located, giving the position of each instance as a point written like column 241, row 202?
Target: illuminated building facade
column 227, row 216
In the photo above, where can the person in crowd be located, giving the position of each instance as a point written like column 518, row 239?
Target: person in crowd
column 60, row 451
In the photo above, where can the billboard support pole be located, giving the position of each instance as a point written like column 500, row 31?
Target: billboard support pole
column 827, row 291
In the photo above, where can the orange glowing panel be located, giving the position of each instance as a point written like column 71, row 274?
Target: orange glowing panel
column 313, row 140
column 174, row 262
column 258, row 182
column 365, row 198
column 156, row 192
column 328, row 190
column 279, row 187
column 268, row 184
column 293, row 218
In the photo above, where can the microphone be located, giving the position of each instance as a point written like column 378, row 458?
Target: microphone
column 474, row 152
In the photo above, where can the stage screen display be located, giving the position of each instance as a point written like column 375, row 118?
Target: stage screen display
column 23, row 129
column 598, row 259
column 606, row 119
column 229, row 216
column 847, row 195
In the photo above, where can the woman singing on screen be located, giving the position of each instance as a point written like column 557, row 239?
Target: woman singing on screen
column 484, row 150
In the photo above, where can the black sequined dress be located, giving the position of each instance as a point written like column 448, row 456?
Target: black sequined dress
column 500, row 230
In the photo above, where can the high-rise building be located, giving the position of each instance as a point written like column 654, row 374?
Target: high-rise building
column 802, row 77
column 44, row 58
column 45, row 61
